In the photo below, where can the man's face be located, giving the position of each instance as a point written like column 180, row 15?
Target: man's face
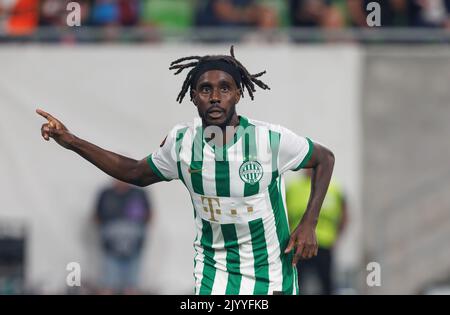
column 216, row 96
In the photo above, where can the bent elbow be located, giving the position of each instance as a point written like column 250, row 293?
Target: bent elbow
column 139, row 183
column 330, row 158
column 138, row 180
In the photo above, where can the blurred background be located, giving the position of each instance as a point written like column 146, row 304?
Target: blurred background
column 369, row 79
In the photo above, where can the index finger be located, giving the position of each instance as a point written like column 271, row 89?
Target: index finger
column 44, row 114
column 298, row 254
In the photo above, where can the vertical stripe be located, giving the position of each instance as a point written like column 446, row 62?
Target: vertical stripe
column 264, row 156
column 197, row 161
column 247, row 263
column 180, row 135
column 196, row 252
column 222, row 176
column 195, row 262
column 281, row 190
column 220, row 257
column 235, row 158
column 221, row 279
column 198, row 271
column 209, row 171
column 233, row 258
column 283, row 236
column 285, row 226
column 260, row 256
column 296, row 281
column 273, row 249
column 209, row 271
column 281, row 223
column 274, row 138
column 186, row 157
column 249, row 148
column 199, row 257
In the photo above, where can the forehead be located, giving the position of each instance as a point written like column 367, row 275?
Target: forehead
column 215, row 76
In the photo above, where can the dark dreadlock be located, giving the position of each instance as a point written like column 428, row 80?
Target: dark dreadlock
column 247, row 80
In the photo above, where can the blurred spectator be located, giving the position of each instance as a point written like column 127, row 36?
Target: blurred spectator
column 173, row 14
column 213, row 13
column 332, row 221
column 123, row 213
column 267, row 17
column 111, row 14
column 429, row 13
column 105, row 12
column 129, row 12
column 115, row 12
column 316, row 13
column 19, row 17
column 52, row 12
column 393, row 12
column 235, row 14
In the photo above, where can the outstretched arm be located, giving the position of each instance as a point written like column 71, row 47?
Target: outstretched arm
column 304, row 236
column 125, row 169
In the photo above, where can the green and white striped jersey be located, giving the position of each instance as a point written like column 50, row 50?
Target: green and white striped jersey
column 237, row 192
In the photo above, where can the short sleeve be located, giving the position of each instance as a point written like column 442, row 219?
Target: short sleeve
column 295, row 151
column 163, row 161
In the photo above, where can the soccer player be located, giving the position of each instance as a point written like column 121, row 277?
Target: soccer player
column 233, row 168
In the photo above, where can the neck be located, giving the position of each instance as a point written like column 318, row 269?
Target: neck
column 227, row 133
column 228, row 136
column 234, row 121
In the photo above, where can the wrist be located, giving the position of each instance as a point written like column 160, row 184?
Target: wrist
column 309, row 220
column 72, row 142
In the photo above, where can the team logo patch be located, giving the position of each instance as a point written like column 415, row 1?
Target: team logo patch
column 251, row 172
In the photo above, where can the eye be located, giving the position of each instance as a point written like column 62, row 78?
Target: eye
column 205, row 89
column 225, row 89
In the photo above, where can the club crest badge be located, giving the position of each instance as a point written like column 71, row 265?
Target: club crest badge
column 251, row 172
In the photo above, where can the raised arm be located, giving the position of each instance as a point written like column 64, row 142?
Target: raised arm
column 136, row 172
column 304, row 236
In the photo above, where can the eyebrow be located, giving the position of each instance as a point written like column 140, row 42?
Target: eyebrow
column 223, row 82
column 204, row 84
column 208, row 83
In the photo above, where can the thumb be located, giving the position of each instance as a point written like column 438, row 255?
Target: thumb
column 55, row 132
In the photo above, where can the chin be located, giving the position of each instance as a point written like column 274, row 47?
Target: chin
column 216, row 122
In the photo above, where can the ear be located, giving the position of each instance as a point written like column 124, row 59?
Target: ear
column 193, row 96
column 238, row 96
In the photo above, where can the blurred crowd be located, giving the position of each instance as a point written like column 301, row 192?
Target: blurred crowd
column 25, row 17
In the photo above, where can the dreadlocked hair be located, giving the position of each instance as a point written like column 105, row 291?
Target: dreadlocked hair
column 248, row 80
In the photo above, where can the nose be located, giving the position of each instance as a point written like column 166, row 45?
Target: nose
column 215, row 96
